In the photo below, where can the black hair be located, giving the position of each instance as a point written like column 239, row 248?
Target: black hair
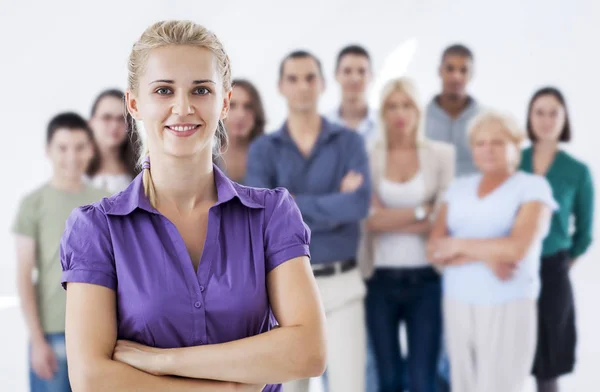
column 356, row 50
column 565, row 134
column 68, row 120
column 299, row 54
column 457, row 50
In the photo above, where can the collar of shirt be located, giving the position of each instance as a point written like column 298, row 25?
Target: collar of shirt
column 366, row 126
column 134, row 196
column 328, row 130
column 469, row 111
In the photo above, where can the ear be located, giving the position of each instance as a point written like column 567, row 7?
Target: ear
column 131, row 102
column 440, row 70
column 226, row 105
column 280, row 86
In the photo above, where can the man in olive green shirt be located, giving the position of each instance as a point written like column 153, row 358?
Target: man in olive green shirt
column 38, row 227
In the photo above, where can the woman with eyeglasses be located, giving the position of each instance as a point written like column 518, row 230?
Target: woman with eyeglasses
column 114, row 163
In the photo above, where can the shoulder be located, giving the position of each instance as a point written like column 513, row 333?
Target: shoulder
column 465, row 184
column 575, row 166
column 531, row 184
column 265, row 140
column 263, row 197
column 438, row 147
column 525, row 179
column 33, row 197
column 347, row 135
column 96, row 194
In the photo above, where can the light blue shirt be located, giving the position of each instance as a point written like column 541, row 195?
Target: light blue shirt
column 493, row 217
column 367, row 127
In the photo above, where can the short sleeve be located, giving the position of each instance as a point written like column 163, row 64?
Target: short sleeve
column 86, row 254
column 537, row 188
column 286, row 235
column 26, row 221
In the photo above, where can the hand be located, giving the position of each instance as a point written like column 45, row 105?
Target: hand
column 351, row 182
column 443, row 250
column 503, row 271
column 144, row 358
column 43, row 360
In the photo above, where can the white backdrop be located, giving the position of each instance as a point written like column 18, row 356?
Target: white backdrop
column 58, row 55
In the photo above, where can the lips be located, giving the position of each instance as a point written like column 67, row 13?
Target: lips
column 182, row 130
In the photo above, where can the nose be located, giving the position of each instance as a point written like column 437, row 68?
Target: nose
column 182, row 105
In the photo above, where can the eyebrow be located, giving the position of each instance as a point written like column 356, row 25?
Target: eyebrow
column 167, row 81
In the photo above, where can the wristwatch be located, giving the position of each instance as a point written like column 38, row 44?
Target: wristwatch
column 420, row 213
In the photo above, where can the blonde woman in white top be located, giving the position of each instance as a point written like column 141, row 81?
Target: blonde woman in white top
column 409, row 176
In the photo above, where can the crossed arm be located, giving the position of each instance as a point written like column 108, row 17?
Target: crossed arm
column 95, row 364
column 501, row 254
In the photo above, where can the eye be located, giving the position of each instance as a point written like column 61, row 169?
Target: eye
column 163, row 91
column 202, row 91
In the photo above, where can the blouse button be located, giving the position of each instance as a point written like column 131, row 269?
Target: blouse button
column 201, row 288
column 198, row 304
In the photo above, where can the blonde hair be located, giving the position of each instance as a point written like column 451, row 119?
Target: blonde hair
column 509, row 125
column 175, row 32
column 405, row 86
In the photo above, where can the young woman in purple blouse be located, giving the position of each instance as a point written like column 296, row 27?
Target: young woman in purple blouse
column 175, row 284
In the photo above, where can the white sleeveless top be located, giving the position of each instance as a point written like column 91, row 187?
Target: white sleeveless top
column 399, row 250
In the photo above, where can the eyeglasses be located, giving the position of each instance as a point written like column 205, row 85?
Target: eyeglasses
column 107, row 119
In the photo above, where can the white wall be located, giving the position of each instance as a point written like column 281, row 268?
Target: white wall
column 57, row 55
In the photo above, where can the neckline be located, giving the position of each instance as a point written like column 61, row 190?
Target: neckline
column 495, row 190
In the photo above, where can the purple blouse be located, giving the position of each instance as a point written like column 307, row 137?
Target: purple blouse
column 123, row 243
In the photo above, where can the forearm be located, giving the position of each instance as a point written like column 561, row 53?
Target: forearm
column 391, row 219
column 108, row 375
column 29, row 306
column 280, row 355
column 333, row 209
column 498, row 250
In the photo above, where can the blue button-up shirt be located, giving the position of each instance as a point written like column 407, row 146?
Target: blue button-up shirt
column 333, row 217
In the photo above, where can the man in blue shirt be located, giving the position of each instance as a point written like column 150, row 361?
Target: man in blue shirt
column 325, row 168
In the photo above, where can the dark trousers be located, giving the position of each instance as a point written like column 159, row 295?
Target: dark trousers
column 411, row 296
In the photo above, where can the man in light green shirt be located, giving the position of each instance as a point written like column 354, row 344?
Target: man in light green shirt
column 38, row 227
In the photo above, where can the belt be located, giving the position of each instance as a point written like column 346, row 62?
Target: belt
column 338, row 267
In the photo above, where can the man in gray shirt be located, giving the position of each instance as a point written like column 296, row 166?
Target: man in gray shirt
column 449, row 113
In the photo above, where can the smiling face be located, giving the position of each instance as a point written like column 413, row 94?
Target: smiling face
column 180, row 100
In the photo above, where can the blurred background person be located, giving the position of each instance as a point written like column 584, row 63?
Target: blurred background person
column 244, row 123
column 410, row 176
column 547, row 126
column 325, row 168
column 449, row 112
column 489, row 236
column 353, row 73
column 115, row 162
column 38, row 227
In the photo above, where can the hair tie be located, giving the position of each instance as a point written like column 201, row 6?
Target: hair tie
column 146, row 164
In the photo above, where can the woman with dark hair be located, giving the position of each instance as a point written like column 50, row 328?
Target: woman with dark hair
column 114, row 163
column 571, row 182
column 245, row 122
